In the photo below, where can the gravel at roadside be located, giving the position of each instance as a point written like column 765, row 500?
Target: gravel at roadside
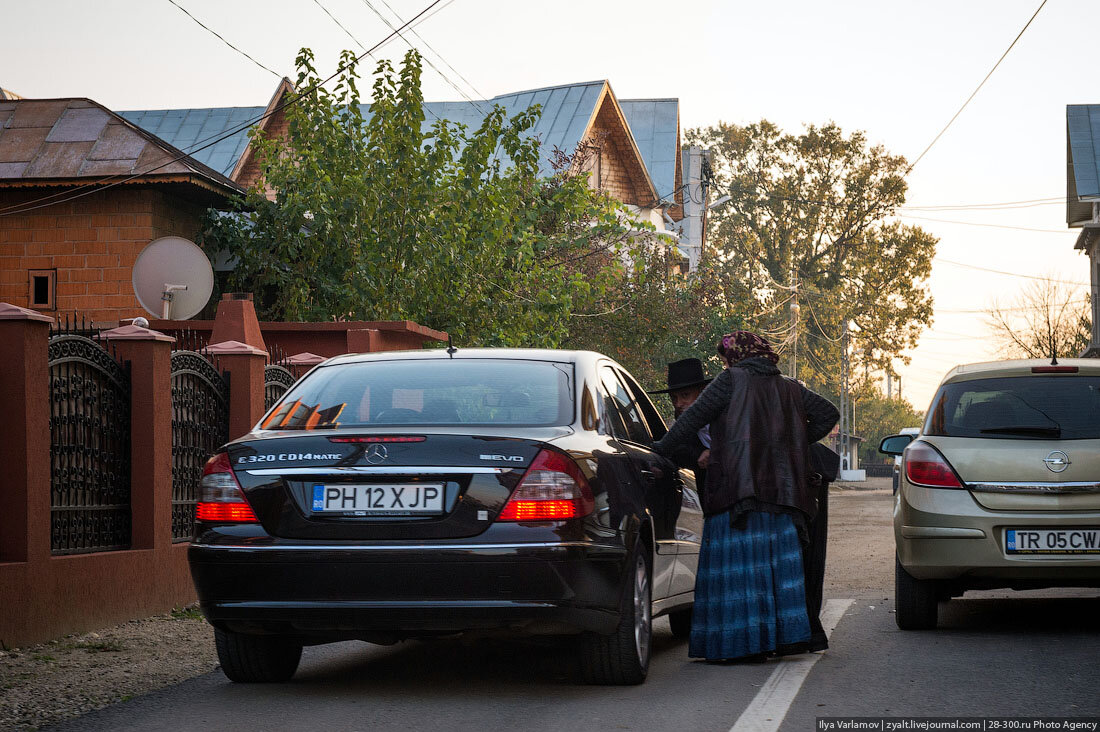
column 50, row 682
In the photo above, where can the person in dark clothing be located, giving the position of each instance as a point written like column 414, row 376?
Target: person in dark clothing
column 824, row 464
column 686, row 380
column 750, row 597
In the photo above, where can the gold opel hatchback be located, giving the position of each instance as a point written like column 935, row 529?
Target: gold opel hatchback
column 1001, row 488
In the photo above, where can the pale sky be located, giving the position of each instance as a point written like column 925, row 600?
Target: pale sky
column 897, row 70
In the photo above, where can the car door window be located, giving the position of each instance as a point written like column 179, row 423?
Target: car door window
column 619, row 399
column 649, row 413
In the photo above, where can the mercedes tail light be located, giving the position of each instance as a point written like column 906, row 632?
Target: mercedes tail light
column 552, row 489
column 220, row 497
column 925, row 466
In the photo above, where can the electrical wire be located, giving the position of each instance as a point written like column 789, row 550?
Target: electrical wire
column 990, row 226
column 223, row 40
column 341, row 26
column 427, row 45
column 106, row 182
column 1010, row 274
column 976, row 90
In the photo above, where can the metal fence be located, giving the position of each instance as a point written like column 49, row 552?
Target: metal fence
column 200, row 425
column 277, row 379
column 89, row 443
column 879, row 470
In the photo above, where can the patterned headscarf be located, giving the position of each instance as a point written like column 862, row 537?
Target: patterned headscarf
column 742, row 344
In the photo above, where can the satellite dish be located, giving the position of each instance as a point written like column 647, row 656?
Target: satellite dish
column 173, row 278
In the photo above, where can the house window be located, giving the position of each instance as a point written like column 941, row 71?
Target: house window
column 43, row 284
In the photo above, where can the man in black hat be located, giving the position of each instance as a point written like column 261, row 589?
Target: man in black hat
column 686, row 381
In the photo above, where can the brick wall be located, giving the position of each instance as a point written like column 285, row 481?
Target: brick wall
column 91, row 242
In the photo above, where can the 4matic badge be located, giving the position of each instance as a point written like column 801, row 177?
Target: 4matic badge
column 283, row 457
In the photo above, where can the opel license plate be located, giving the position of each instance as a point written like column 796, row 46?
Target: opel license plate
column 378, row 499
column 1068, row 541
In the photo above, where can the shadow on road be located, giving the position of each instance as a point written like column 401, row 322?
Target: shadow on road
column 437, row 665
column 1030, row 615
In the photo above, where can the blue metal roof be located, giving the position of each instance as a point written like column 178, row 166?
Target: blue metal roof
column 655, row 124
column 566, row 113
column 186, row 129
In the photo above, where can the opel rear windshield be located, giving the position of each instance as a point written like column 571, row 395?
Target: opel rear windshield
column 1023, row 407
column 474, row 392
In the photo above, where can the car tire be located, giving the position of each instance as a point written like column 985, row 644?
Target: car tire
column 916, row 602
column 257, row 658
column 680, row 622
column 622, row 657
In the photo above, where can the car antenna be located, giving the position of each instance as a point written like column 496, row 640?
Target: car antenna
column 451, row 350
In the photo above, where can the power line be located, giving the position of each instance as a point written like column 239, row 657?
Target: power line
column 989, row 226
column 427, row 60
column 222, row 39
column 1010, row 274
column 1004, row 206
column 106, row 181
column 341, row 25
column 976, row 90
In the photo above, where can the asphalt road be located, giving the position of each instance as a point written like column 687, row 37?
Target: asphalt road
column 996, row 654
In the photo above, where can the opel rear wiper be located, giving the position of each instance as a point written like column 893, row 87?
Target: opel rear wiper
column 1024, row 430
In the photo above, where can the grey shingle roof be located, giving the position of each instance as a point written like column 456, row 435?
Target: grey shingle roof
column 190, row 128
column 57, row 139
column 1083, row 173
column 655, row 124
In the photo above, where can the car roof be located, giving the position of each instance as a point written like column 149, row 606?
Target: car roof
column 517, row 354
column 1016, row 367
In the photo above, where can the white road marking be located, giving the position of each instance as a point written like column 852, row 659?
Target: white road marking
column 769, row 707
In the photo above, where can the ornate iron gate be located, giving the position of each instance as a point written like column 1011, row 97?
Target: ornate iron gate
column 200, row 425
column 277, row 379
column 89, row 445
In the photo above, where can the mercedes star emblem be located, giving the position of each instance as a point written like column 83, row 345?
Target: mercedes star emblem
column 378, row 453
column 1057, row 461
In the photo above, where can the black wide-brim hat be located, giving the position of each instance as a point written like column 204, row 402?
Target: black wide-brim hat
column 684, row 374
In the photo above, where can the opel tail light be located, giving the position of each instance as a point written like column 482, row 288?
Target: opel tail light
column 552, row 489
column 925, row 466
column 220, row 497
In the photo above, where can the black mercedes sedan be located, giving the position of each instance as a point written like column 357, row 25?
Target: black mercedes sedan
column 425, row 493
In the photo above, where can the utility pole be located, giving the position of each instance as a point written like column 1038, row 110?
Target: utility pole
column 889, row 386
column 845, row 461
column 794, row 332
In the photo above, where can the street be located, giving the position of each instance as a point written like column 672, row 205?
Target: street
column 996, row 654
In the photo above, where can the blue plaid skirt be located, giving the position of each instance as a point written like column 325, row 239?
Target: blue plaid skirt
column 750, row 595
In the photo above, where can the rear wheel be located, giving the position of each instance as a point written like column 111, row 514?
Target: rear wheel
column 257, row 658
column 622, row 657
column 915, row 601
column 680, row 621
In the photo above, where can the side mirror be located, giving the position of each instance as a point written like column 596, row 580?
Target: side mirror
column 895, row 444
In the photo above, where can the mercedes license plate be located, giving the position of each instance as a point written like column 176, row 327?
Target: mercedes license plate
column 1069, row 541
column 378, row 499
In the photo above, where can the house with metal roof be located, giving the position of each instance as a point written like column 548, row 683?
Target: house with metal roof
column 634, row 144
column 1083, row 197
column 67, row 245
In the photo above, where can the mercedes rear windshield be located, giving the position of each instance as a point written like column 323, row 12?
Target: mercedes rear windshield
column 1020, row 407
column 475, row 392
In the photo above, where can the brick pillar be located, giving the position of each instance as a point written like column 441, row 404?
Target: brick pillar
column 24, row 435
column 245, row 365
column 300, row 363
column 149, row 353
column 236, row 321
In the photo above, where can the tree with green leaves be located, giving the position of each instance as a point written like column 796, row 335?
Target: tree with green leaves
column 376, row 217
column 809, row 221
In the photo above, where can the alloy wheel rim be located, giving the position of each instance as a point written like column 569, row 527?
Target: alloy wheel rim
column 642, row 611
